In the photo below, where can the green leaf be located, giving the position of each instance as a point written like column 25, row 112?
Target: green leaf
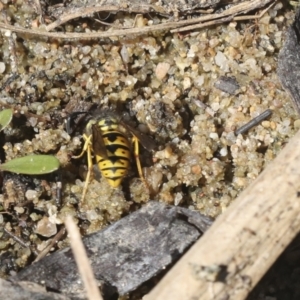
column 32, row 165
column 5, row 118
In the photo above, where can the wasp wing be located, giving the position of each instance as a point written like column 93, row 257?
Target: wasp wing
column 98, row 142
column 147, row 142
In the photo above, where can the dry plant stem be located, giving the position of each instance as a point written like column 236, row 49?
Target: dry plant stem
column 232, row 11
column 17, row 239
column 223, row 20
column 245, row 240
column 82, row 260
column 47, row 249
column 203, row 25
column 240, row 18
column 87, row 36
column 226, row 15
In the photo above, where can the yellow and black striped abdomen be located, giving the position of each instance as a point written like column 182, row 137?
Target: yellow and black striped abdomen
column 115, row 167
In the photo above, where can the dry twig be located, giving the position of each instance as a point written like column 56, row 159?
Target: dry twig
column 82, row 260
column 47, row 249
column 230, row 14
column 207, row 20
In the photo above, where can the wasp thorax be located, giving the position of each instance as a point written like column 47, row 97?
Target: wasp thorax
column 108, row 124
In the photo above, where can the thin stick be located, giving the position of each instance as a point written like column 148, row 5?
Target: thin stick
column 17, row 239
column 240, row 18
column 84, row 11
column 229, row 14
column 46, row 250
column 255, row 121
column 204, row 21
column 203, row 25
column 82, row 260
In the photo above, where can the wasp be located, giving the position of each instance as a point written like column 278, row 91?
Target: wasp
column 108, row 139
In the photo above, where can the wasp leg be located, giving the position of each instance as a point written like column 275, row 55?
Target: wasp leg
column 87, row 144
column 88, row 175
column 88, row 149
column 135, row 141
